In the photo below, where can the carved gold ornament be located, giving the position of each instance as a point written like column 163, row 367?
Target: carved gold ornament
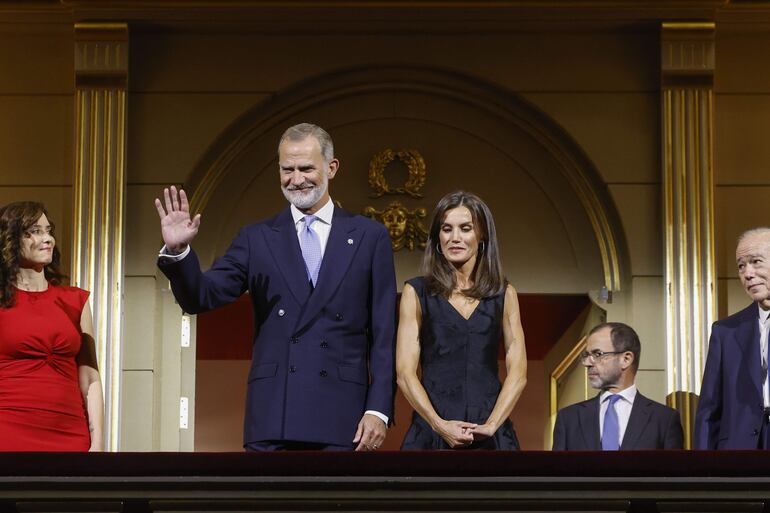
column 414, row 163
column 404, row 225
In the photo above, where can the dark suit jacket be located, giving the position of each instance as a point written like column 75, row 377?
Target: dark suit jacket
column 730, row 407
column 650, row 426
column 322, row 357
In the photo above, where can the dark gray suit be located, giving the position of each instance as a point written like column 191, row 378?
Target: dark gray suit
column 650, row 426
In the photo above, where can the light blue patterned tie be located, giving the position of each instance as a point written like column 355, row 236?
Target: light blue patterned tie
column 611, row 434
column 311, row 249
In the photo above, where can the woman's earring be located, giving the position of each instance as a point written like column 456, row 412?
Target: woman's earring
column 438, row 249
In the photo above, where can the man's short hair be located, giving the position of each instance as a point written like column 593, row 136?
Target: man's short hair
column 304, row 130
column 762, row 231
column 624, row 338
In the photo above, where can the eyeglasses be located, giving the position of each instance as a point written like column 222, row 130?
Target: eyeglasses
column 595, row 356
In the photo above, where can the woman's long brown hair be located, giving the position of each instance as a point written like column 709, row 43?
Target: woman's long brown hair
column 15, row 221
column 487, row 275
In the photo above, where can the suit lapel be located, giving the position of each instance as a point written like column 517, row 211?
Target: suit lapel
column 284, row 246
column 747, row 338
column 589, row 424
column 637, row 422
column 344, row 241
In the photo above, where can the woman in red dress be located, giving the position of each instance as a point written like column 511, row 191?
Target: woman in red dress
column 50, row 392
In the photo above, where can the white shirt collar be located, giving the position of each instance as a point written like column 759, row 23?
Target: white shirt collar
column 629, row 394
column 763, row 314
column 324, row 214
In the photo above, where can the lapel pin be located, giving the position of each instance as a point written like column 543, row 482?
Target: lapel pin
column 350, row 242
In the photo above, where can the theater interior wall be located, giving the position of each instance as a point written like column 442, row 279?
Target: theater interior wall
column 188, row 86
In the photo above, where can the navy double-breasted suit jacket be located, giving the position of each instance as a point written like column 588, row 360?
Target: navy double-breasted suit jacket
column 320, row 357
column 650, row 426
column 730, row 408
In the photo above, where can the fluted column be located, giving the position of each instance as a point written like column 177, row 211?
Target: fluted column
column 101, row 77
column 687, row 70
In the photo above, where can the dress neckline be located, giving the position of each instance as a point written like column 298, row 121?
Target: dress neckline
column 466, row 319
column 33, row 292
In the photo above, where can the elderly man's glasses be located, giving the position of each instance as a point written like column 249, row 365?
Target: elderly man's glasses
column 597, row 355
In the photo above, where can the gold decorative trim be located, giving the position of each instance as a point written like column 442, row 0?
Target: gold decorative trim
column 688, row 203
column 557, row 374
column 404, row 225
column 99, row 212
column 414, row 163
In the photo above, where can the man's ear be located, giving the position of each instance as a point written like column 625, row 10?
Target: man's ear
column 334, row 165
column 627, row 360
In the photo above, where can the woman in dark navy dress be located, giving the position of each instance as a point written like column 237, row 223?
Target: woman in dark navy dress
column 450, row 324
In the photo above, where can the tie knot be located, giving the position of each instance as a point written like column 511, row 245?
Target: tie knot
column 309, row 220
column 613, row 399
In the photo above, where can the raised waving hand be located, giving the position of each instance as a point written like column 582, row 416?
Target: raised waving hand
column 176, row 227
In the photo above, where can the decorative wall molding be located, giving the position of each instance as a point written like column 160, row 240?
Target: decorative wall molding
column 101, row 75
column 687, row 69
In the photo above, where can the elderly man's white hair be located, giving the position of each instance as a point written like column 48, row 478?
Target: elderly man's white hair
column 762, row 231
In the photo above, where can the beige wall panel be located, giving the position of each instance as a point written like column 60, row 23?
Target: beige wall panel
column 733, row 296
column 741, row 57
column 58, row 202
column 532, row 407
column 652, row 383
column 41, row 61
column 620, row 133
column 139, row 324
column 526, row 61
column 168, row 133
column 648, row 321
column 737, row 209
column 136, row 416
column 36, row 140
column 639, row 206
column 143, row 239
column 742, row 155
column 219, row 408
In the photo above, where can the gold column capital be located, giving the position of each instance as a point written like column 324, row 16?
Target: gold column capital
column 687, row 54
column 101, row 55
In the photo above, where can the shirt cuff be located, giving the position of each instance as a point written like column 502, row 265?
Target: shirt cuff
column 379, row 415
column 173, row 258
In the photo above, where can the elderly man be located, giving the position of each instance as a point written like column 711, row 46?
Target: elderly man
column 734, row 401
column 323, row 289
column 619, row 417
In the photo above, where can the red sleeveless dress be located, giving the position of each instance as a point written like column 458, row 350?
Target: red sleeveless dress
column 41, row 407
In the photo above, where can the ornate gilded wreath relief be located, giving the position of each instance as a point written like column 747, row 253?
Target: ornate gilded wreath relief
column 404, row 225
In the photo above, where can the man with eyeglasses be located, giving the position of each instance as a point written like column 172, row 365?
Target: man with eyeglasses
column 734, row 400
column 619, row 417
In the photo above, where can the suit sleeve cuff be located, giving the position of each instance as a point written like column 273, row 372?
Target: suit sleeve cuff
column 377, row 414
column 169, row 257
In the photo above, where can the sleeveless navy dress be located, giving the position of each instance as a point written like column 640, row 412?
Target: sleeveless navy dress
column 458, row 358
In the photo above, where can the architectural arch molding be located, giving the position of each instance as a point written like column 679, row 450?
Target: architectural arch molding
column 272, row 115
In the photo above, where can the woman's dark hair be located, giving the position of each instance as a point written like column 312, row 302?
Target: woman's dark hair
column 487, row 276
column 15, row 221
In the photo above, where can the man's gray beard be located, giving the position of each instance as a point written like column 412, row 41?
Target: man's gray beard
column 303, row 200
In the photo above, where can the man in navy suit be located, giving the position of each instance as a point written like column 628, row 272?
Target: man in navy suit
column 323, row 291
column 734, row 401
column 619, row 418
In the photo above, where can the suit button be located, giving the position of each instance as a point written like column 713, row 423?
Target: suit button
column 323, row 373
column 281, row 312
column 294, row 340
column 755, row 432
column 338, row 316
column 324, row 344
column 292, row 369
